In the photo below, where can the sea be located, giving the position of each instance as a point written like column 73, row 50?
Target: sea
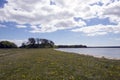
column 111, row 53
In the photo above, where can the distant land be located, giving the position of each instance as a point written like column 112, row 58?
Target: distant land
column 84, row 46
column 103, row 47
column 71, row 46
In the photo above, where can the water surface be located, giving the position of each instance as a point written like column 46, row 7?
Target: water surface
column 112, row 53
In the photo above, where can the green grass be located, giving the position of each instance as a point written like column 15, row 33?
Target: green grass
column 48, row 64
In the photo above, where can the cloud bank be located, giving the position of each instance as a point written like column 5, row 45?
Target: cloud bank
column 52, row 15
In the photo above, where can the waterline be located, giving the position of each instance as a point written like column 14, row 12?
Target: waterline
column 111, row 53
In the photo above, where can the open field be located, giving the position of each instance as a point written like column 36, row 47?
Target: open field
column 48, row 64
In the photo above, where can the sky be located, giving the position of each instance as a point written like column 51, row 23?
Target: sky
column 87, row 22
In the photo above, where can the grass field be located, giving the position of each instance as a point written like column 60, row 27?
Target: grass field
column 48, row 64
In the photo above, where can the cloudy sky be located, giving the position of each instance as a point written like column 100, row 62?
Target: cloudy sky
column 89, row 22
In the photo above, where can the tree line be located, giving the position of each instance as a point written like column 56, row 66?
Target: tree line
column 71, row 46
column 37, row 43
column 31, row 43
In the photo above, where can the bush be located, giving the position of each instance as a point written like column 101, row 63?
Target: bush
column 7, row 44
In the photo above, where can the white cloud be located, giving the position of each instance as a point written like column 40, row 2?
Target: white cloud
column 117, row 39
column 2, row 26
column 50, row 18
column 40, row 11
column 21, row 26
column 112, row 11
column 98, row 29
column 56, row 25
column 42, row 29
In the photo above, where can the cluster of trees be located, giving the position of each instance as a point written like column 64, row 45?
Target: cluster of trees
column 7, row 44
column 37, row 43
column 71, row 46
column 31, row 43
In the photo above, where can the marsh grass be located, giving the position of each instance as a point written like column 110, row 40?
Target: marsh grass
column 48, row 64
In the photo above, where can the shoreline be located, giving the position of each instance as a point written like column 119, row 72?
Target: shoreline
column 95, row 56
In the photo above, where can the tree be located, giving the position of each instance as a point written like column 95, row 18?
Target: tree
column 23, row 45
column 51, row 43
column 31, row 41
column 38, row 43
column 47, row 43
column 7, row 44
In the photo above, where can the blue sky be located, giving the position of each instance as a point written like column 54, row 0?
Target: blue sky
column 88, row 22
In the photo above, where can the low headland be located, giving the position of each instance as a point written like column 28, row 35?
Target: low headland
column 103, row 47
column 49, row 64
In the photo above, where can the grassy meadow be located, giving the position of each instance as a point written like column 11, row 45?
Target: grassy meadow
column 48, row 64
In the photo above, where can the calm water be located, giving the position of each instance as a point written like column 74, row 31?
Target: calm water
column 112, row 53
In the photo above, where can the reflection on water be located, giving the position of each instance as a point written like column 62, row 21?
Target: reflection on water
column 113, row 53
